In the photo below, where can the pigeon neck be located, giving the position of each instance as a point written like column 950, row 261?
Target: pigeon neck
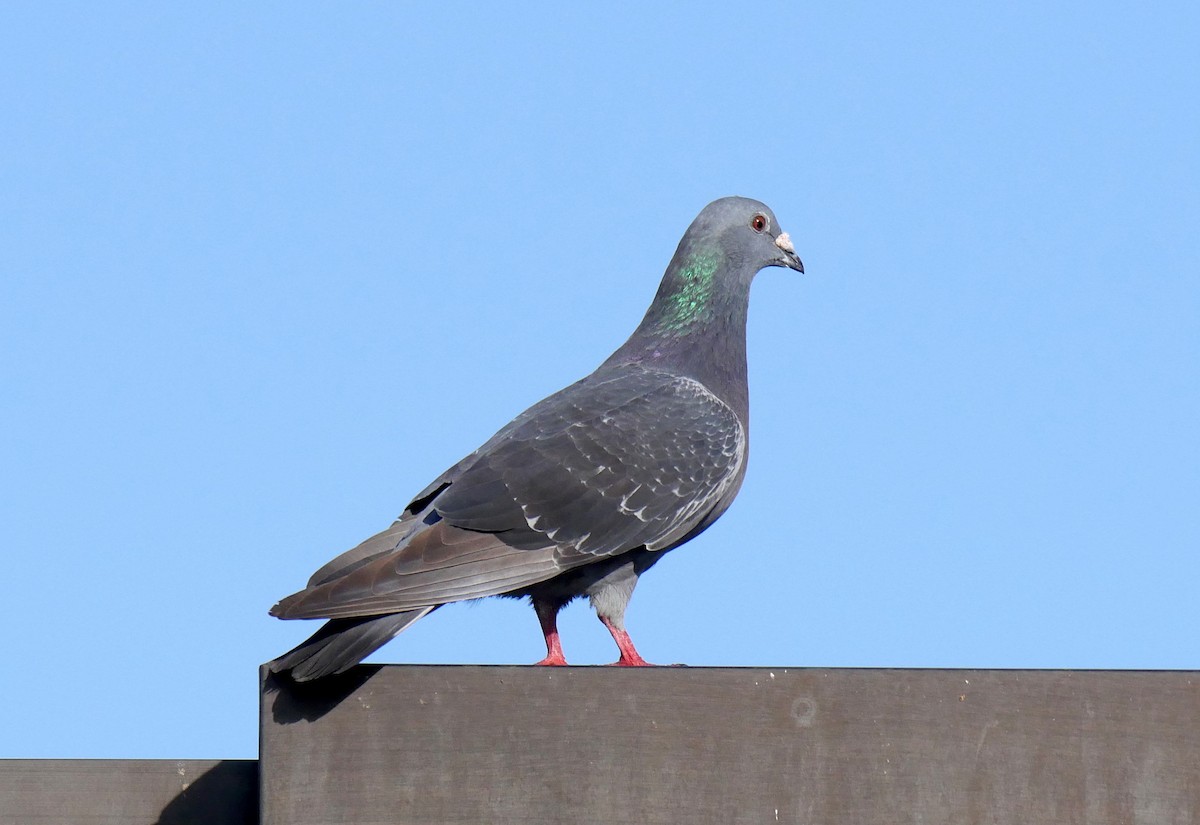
column 696, row 325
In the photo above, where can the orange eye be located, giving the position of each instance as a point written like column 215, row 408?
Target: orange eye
column 758, row 223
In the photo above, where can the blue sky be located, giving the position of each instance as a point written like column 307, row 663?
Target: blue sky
column 267, row 270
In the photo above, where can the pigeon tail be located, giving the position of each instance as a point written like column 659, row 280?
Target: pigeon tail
column 342, row 643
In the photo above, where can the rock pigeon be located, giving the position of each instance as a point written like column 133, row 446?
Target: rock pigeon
column 587, row 489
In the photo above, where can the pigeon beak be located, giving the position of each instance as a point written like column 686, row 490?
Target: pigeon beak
column 790, row 259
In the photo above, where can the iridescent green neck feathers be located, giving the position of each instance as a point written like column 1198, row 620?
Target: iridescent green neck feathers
column 690, row 300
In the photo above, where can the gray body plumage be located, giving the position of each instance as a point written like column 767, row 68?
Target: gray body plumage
column 585, row 490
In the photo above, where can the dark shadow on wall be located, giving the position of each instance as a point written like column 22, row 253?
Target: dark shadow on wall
column 309, row 701
column 226, row 793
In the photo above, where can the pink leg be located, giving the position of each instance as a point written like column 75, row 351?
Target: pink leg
column 548, row 618
column 629, row 655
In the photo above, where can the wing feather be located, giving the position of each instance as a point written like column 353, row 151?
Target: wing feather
column 636, row 458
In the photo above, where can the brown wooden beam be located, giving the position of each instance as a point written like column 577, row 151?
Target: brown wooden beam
column 468, row 744
column 128, row 791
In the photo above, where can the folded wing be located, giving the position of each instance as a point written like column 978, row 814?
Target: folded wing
column 633, row 458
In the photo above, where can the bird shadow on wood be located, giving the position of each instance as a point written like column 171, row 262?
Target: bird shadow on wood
column 226, row 793
column 295, row 701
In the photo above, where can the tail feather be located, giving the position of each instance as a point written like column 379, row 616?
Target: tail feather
column 342, row 643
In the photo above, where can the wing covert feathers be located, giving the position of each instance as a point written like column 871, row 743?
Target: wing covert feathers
column 635, row 458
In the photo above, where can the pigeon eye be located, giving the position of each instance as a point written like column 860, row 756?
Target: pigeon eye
column 758, row 223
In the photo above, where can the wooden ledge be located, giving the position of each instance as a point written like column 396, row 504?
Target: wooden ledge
column 476, row 744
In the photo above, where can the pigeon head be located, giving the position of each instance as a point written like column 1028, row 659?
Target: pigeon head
column 746, row 231
column 696, row 325
column 707, row 283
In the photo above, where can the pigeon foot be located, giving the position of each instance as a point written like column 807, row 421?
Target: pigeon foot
column 552, row 660
column 629, row 655
column 632, row 661
column 547, row 614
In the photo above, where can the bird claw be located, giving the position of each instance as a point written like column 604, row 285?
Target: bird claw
column 632, row 661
